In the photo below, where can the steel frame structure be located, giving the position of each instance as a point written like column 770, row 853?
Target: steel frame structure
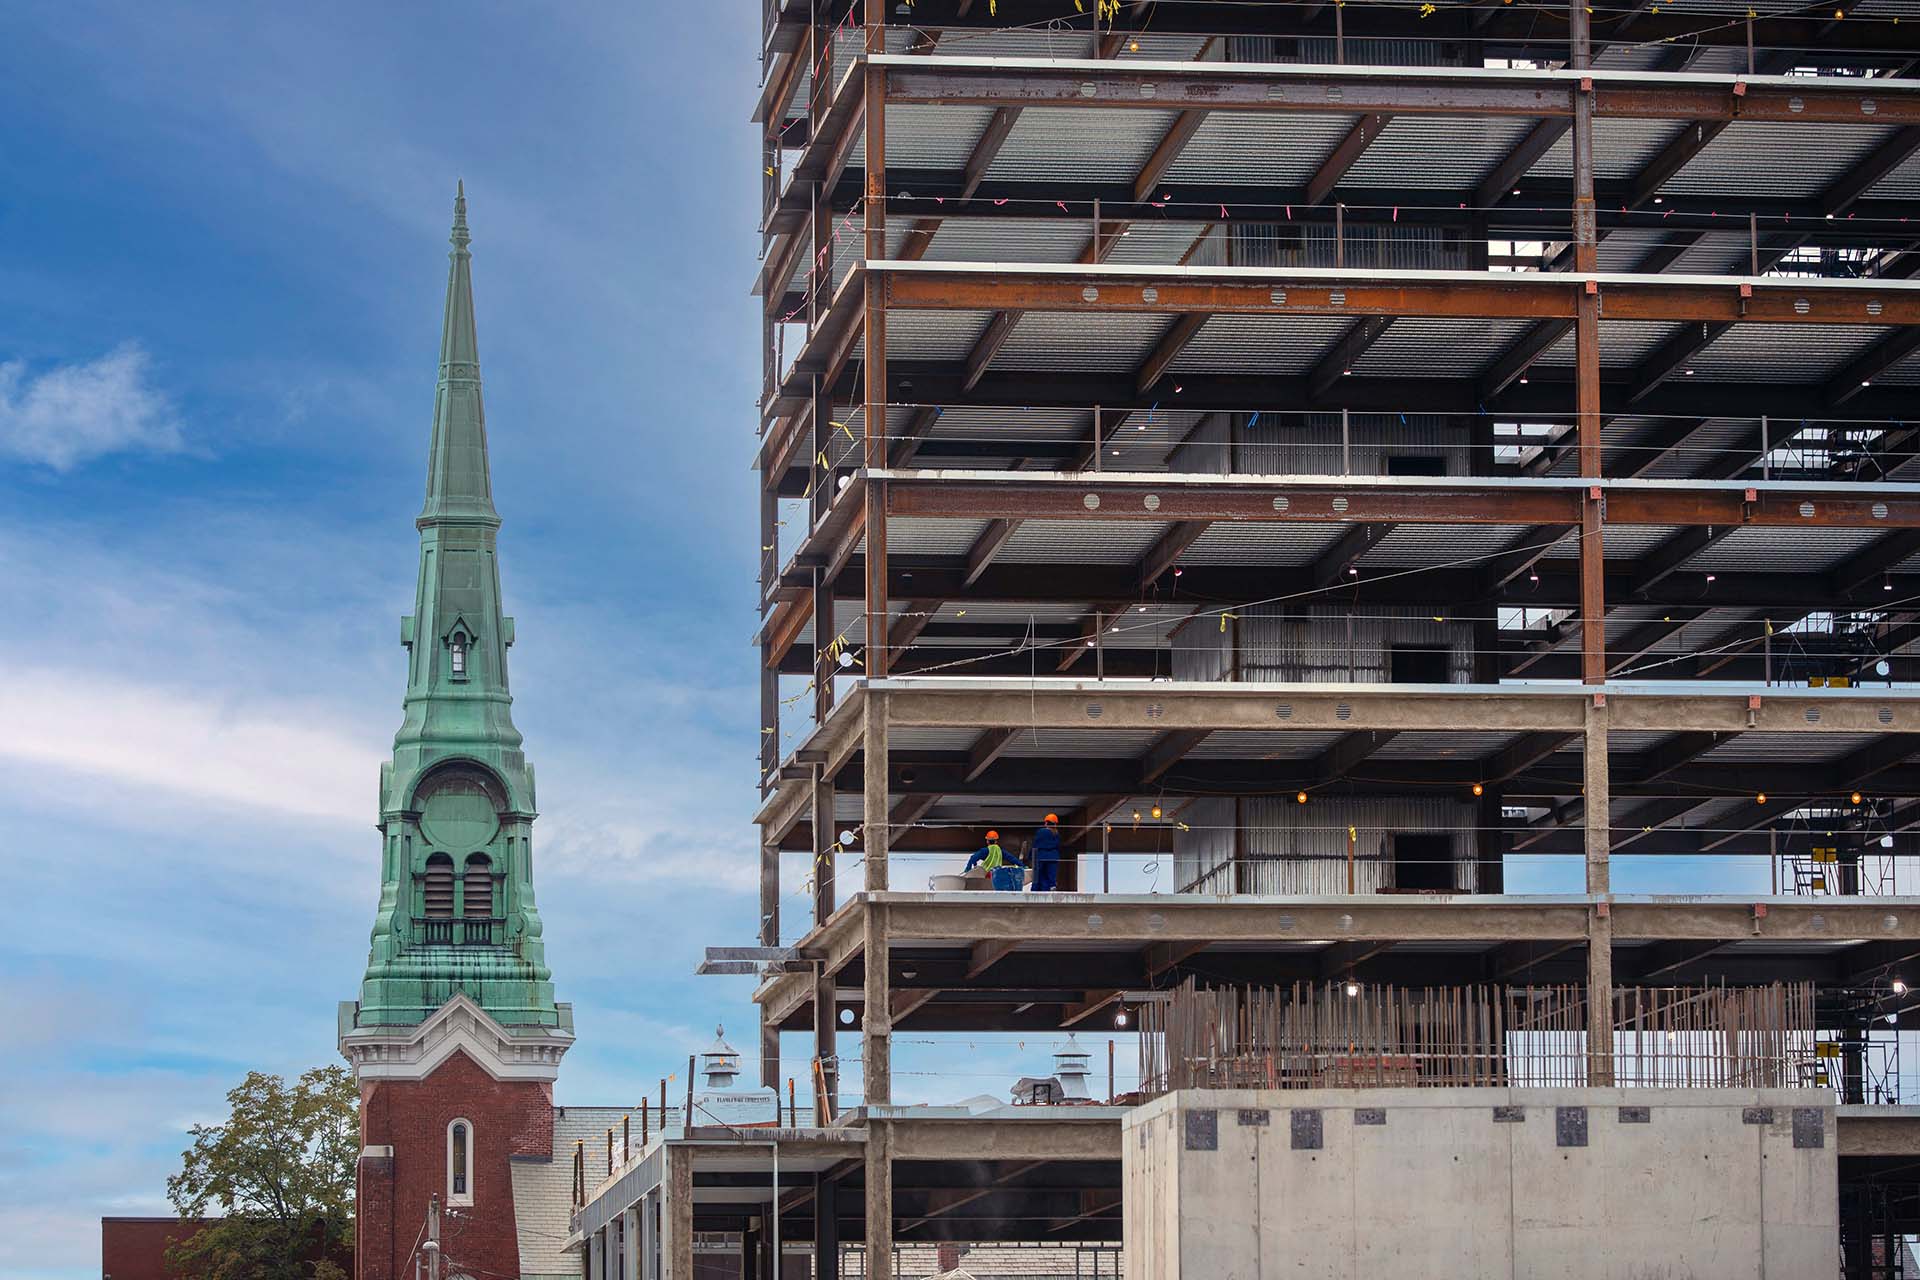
column 1611, row 756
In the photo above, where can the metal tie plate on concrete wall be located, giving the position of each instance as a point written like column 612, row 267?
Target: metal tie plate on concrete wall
column 1307, row 1133
column 1255, row 1116
column 1509, row 1115
column 1370, row 1115
column 1570, row 1126
column 1203, row 1131
column 1636, row 1115
column 1756, row 1115
column 1809, row 1129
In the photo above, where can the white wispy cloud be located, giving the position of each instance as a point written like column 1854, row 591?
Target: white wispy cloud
column 69, row 414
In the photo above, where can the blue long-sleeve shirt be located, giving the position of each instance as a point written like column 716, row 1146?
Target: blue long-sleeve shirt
column 1046, row 845
column 980, row 855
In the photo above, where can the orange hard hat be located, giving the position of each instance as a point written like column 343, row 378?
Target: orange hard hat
column 993, row 835
column 1053, row 817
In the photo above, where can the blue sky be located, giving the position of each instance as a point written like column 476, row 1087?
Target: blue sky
column 222, row 253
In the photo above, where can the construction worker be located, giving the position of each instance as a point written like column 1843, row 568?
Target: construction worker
column 1005, row 870
column 1045, row 851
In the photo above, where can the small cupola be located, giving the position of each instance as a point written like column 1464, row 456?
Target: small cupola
column 720, row 1062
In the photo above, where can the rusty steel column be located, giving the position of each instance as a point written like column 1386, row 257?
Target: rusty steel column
column 1593, row 603
column 1586, row 358
column 876, row 344
column 769, row 890
column 826, row 1049
column 825, row 627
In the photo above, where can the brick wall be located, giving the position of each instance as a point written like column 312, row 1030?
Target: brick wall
column 509, row 1118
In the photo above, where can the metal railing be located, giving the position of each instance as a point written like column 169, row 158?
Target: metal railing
column 1343, row 1035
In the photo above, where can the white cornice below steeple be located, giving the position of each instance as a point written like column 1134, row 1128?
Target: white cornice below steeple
column 414, row 1053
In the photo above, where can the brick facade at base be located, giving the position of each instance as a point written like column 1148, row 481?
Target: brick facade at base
column 510, row 1119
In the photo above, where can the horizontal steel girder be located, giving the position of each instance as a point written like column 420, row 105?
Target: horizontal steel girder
column 1461, row 500
column 1401, row 91
column 1327, row 291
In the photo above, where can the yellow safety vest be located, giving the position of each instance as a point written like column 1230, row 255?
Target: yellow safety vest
column 995, row 858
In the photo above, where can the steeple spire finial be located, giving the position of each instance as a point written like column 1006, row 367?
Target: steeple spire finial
column 459, row 480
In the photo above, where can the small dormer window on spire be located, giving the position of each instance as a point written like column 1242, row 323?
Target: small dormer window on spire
column 457, row 655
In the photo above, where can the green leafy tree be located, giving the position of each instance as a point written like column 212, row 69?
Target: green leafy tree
column 279, row 1173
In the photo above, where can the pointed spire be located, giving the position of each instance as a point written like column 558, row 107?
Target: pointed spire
column 459, row 482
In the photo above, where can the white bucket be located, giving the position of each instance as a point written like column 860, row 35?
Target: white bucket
column 946, row 884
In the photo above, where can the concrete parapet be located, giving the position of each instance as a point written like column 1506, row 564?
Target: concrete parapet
column 1625, row 1184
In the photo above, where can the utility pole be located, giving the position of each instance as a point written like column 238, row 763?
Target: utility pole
column 432, row 1246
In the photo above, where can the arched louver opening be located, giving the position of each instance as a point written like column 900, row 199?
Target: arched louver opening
column 438, row 898
column 479, row 885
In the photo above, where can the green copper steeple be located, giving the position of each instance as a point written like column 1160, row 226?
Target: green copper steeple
column 456, row 908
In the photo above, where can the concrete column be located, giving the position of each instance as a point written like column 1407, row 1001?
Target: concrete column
column 1596, row 801
column 875, row 832
column 597, row 1255
column 877, row 1021
column 635, row 1235
column 879, row 1200
column 1599, row 847
column 677, row 1254
column 826, row 1228
column 750, row 1253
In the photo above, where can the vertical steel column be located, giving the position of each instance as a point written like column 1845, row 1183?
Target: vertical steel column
column 1586, row 358
column 825, row 1009
column 825, row 625
column 769, row 890
column 876, row 343
column 769, row 670
column 879, row 1200
column 1593, row 604
column 769, row 937
column 1490, row 844
column 826, row 842
column 826, row 1228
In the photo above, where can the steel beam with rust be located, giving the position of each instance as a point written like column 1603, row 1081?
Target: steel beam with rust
column 1078, row 287
column 1347, row 501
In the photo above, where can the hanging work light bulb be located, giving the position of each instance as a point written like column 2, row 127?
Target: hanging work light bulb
column 1353, row 988
column 1899, row 987
column 1300, row 797
column 1155, row 811
column 1479, row 790
column 1854, row 798
column 1761, row 798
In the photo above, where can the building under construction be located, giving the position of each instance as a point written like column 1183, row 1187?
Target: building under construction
column 1410, row 486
